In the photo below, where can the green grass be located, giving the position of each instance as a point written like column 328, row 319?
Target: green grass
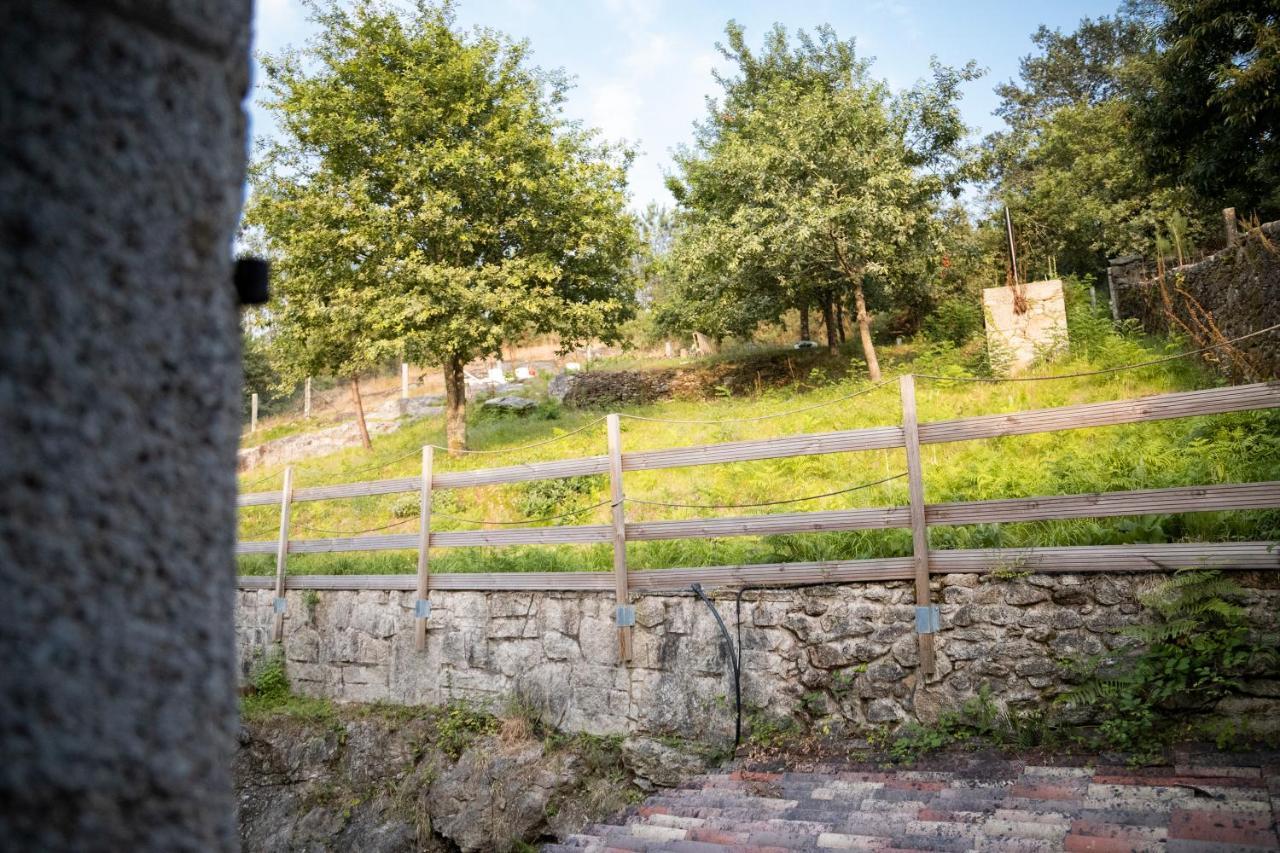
column 1233, row 448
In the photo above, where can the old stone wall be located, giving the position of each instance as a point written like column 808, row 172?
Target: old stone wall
column 841, row 654
column 1236, row 291
column 702, row 380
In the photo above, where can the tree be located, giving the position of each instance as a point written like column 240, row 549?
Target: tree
column 1078, row 191
column 1070, row 167
column 427, row 200
column 1085, row 67
column 1209, row 112
column 808, row 181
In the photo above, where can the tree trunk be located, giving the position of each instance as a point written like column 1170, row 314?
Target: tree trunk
column 829, row 318
column 840, row 319
column 455, row 394
column 804, row 322
column 364, row 428
column 864, row 328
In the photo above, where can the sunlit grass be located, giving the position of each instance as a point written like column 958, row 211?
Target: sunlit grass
column 1233, row 448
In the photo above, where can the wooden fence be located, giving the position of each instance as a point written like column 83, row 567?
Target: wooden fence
column 918, row 516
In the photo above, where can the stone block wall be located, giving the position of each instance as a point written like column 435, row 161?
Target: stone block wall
column 844, row 654
column 1237, row 290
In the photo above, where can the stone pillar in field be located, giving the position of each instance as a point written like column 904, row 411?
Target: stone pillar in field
column 122, row 162
column 1025, row 324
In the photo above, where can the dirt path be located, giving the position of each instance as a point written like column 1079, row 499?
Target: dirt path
column 1204, row 801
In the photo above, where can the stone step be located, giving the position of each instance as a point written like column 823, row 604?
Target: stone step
column 1209, row 806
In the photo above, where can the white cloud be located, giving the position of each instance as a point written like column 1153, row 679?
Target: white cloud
column 612, row 107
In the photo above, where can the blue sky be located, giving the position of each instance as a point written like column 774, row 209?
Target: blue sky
column 643, row 67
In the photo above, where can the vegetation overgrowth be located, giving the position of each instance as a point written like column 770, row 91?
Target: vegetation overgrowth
column 1242, row 447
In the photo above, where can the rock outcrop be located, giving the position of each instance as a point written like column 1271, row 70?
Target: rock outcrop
column 390, row 780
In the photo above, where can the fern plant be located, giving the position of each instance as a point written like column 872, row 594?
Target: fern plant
column 1196, row 650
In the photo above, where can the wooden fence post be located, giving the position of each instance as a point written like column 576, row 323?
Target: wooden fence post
column 422, row 607
column 624, row 614
column 282, row 551
column 253, row 413
column 306, row 398
column 1229, row 225
column 404, row 380
column 926, row 614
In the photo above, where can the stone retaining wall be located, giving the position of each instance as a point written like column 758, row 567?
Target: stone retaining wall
column 842, row 654
column 1237, row 290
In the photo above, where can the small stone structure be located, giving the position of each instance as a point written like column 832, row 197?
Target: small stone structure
column 846, row 653
column 1236, row 291
column 1019, row 335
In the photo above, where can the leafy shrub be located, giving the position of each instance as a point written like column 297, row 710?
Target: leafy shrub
column 408, row 506
column 543, row 498
column 269, row 680
column 978, row 718
column 1196, row 650
column 954, row 319
column 459, row 724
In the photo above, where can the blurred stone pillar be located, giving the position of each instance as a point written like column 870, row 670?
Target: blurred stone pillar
column 122, row 159
column 1124, row 274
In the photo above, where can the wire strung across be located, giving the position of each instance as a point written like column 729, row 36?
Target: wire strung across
column 585, row 509
column 353, row 532
column 801, row 410
column 768, row 503
column 551, row 440
column 599, row 504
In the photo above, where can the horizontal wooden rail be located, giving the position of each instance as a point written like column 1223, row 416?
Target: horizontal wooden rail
column 586, row 534
column 382, row 542
column 807, row 444
column 768, row 525
column 549, row 581
column 1265, row 495
column 441, row 480
column 776, row 574
column 1229, row 556
column 1214, row 401
column 1100, row 504
column 1094, row 559
column 522, row 473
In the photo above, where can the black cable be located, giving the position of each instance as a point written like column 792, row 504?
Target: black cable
column 737, row 682
column 769, row 503
column 733, row 659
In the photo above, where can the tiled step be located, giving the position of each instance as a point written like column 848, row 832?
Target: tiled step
column 1204, row 802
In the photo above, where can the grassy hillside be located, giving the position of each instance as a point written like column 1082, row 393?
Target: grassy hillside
column 1231, row 448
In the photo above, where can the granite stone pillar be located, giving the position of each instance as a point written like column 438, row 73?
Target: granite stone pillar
column 122, row 160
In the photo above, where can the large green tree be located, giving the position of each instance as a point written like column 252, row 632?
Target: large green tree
column 1070, row 164
column 426, row 199
column 808, row 181
column 1209, row 110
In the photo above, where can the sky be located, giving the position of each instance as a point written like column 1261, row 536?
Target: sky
column 643, row 68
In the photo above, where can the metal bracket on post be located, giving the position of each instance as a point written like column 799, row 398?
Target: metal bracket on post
column 422, row 607
column 613, row 429
column 282, row 553
column 927, row 621
column 625, row 614
column 919, row 525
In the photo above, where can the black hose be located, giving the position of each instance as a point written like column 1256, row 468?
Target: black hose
column 733, row 656
column 733, row 659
